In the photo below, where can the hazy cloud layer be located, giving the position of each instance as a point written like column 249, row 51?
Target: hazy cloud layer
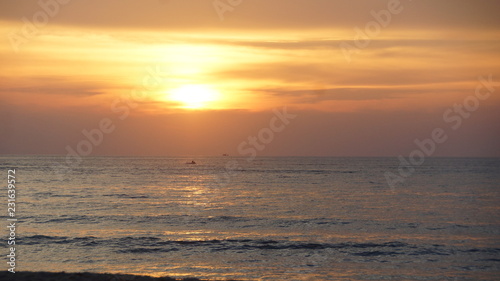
column 93, row 58
column 261, row 14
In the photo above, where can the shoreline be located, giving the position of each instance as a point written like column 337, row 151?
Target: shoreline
column 87, row 276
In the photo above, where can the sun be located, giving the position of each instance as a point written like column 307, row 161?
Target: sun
column 194, row 96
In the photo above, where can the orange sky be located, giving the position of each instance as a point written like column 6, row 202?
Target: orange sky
column 176, row 78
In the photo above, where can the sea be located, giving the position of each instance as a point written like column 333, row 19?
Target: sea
column 268, row 218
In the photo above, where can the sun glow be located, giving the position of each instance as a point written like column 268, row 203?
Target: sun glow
column 194, row 96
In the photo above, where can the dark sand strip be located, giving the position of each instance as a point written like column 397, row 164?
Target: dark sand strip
column 59, row 276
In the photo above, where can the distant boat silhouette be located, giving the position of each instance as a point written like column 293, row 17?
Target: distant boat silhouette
column 192, row 162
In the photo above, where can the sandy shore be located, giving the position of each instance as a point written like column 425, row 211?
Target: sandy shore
column 57, row 276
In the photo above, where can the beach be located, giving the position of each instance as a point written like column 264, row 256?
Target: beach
column 61, row 276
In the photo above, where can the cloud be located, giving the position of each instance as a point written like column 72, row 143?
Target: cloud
column 365, row 75
column 337, row 94
column 260, row 14
column 272, row 52
column 49, row 85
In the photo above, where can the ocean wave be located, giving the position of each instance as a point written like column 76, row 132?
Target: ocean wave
column 241, row 221
column 149, row 244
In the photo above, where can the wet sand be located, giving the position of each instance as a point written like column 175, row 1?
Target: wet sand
column 58, row 276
